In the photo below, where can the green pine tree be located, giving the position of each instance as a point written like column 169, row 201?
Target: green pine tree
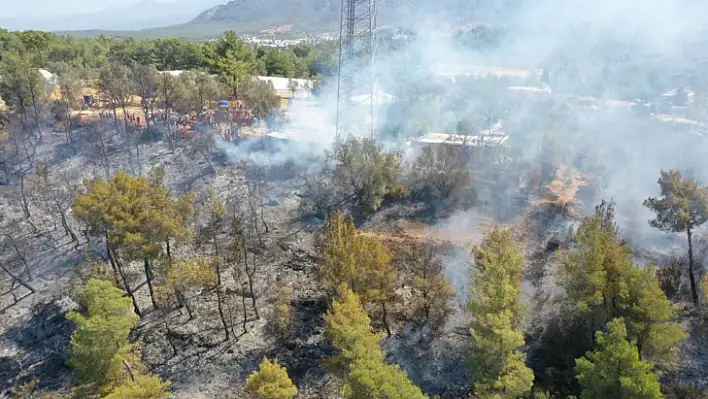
column 271, row 381
column 371, row 379
column 613, row 369
column 101, row 331
column 603, row 282
column 362, row 262
column 360, row 359
column 348, row 327
column 142, row 387
column 497, row 366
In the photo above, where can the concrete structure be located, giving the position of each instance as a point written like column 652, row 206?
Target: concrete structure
column 288, row 89
column 463, row 140
column 379, row 98
column 284, row 86
column 530, row 89
column 453, row 71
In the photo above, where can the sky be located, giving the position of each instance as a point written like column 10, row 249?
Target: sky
column 49, row 8
column 53, row 15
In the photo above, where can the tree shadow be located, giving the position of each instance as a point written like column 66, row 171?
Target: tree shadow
column 42, row 343
column 434, row 362
column 303, row 350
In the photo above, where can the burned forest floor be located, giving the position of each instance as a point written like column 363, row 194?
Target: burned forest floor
column 191, row 351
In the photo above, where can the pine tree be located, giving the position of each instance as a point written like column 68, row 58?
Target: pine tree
column 602, row 281
column 348, row 327
column 363, row 263
column 366, row 171
column 143, row 387
column 433, row 293
column 271, row 381
column 283, row 313
column 360, row 359
column 498, row 367
column 650, row 320
column 339, row 259
column 379, row 274
column 371, row 379
column 215, row 212
column 184, row 275
column 594, row 273
column 683, row 206
column 100, row 332
column 136, row 216
column 613, row 369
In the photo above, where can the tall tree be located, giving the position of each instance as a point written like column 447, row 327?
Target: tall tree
column 362, row 262
column 184, row 275
column 360, row 359
column 271, row 381
column 442, row 171
column 497, row 366
column 100, row 332
column 146, row 85
column 196, row 93
column 114, row 85
column 603, row 283
column 283, row 319
column 136, row 216
column 259, row 97
column 56, row 193
column 433, row 293
column 214, row 211
column 682, row 207
column 69, row 91
column 614, row 370
column 167, row 92
column 24, row 89
column 367, row 173
column 37, row 43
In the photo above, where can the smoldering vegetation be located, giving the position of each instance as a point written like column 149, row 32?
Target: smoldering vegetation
column 596, row 100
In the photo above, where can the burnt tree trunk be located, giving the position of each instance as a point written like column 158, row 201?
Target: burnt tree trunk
column 113, row 253
column 249, row 275
column 219, row 294
column 67, row 227
column 691, row 276
column 167, row 247
column 149, row 277
column 384, row 316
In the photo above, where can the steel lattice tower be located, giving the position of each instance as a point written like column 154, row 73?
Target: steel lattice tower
column 356, row 68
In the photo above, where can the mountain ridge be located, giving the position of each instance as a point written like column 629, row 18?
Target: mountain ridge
column 307, row 16
column 143, row 14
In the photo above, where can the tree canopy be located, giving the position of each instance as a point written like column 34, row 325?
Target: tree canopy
column 614, row 370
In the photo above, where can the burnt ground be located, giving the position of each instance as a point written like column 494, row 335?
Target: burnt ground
column 34, row 333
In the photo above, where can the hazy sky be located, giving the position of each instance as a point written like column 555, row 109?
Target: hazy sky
column 37, row 8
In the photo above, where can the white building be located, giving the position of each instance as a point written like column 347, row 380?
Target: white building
column 289, row 87
column 462, row 140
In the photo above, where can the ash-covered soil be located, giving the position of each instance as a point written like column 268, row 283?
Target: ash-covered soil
column 34, row 333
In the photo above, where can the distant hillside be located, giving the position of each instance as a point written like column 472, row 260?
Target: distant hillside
column 326, row 14
column 250, row 16
column 128, row 15
column 302, row 14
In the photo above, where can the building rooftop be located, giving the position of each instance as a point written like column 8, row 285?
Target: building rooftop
column 282, row 86
column 463, row 140
column 530, row 89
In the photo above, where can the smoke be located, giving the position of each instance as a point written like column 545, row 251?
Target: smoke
column 594, row 60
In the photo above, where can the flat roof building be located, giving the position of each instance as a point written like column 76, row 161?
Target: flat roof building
column 463, row 140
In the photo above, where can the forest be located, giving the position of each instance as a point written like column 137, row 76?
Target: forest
column 146, row 258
